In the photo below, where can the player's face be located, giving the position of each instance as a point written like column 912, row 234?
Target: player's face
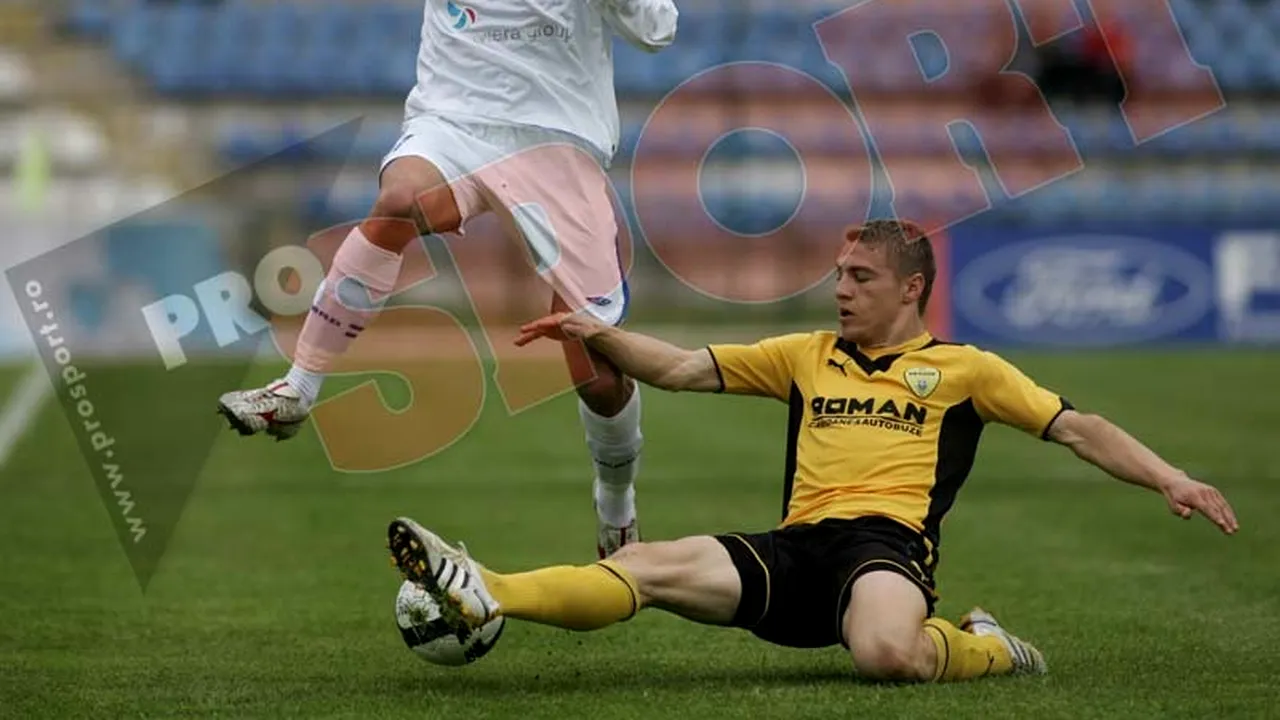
column 869, row 293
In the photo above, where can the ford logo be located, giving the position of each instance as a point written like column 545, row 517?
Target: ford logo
column 1085, row 289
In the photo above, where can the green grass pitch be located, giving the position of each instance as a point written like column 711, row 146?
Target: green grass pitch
column 275, row 596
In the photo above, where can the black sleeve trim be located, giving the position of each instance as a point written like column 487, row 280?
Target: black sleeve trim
column 1066, row 405
column 716, row 364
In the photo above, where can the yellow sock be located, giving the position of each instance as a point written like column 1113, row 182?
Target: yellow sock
column 575, row 598
column 965, row 656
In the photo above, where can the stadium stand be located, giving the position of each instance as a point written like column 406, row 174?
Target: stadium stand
column 269, row 76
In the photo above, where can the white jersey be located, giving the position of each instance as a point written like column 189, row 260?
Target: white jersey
column 545, row 63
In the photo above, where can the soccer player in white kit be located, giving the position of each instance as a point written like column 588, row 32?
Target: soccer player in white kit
column 513, row 97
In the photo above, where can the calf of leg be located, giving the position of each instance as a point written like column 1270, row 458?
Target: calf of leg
column 367, row 265
column 693, row 577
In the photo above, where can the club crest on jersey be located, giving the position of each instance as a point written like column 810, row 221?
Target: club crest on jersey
column 923, row 381
column 462, row 16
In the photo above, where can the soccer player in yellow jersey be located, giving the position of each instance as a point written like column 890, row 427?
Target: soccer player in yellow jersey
column 884, row 426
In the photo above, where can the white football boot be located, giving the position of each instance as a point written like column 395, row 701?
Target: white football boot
column 276, row 409
column 447, row 574
column 1027, row 660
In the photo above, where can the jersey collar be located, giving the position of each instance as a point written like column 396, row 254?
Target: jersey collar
column 881, row 359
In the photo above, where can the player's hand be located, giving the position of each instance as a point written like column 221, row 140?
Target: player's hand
column 562, row 327
column 1187, row 497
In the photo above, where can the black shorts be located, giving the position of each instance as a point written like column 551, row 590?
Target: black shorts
column 796, row 581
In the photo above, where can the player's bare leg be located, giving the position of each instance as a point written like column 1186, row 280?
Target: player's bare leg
column 413, row 200
column 884, row 629
column 693, row 577
column 609, row 406
column 890, row 639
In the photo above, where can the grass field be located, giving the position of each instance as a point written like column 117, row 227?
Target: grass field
column 275, row 596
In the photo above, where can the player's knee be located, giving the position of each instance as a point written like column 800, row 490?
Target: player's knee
column 884, row 657
column 644, row 564
column 631, row 554
column 658, row 567
column 608, row 390
column 395, row 201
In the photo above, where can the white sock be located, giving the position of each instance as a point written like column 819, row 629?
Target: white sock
column 617, row 509
column 306, row 383
column 615, row 444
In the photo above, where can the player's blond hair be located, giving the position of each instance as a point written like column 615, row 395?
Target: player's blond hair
column 907, row 247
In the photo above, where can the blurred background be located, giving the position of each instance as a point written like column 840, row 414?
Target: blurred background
column 110, row 107
column 1124, row 207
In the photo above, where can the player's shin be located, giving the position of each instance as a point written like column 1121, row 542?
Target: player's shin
column 360, row 279
column 574, row 598
column 964, row 655
column 615, row 444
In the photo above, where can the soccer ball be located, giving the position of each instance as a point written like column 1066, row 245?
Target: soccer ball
column 430, row 638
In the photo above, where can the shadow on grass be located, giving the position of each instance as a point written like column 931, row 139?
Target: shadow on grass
column 459, row 683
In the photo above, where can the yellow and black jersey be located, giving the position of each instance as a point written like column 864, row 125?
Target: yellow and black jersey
column 891, row 432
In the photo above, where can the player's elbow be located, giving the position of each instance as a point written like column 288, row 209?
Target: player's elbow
column 661, row 30
column 676, row 379
column 1077, row 430
column 653, row 47
column 655, row 42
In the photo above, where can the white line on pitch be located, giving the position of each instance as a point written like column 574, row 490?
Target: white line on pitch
column 21, row 409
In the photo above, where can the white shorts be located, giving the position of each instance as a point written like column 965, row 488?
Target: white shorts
column 551, row 188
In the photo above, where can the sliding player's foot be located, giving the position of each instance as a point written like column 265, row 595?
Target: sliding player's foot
column 1027, row 660
column 276, row 409
column 610, row 538
column 447, row 574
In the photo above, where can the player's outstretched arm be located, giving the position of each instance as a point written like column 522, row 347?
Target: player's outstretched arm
column 647, row 359
column 1100, row 442
column 647, row 24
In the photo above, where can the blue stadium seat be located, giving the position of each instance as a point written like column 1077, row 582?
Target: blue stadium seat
column 1097, row 133
column 1178, row 142
column 814, row 62
column 305, row 50
column 627, row 139
column 133, row 36
column 1187, row 12
column 841, row 140
column 749, row 212
column 677, row 68
column 1233, row 71
column 91, row 18
column 635, row 71
column 146, row 251
column 1113, row 203
column 1268, row 137
column 1234, row 37
column 931, row 55
column 1229, row 17
column 242, row 145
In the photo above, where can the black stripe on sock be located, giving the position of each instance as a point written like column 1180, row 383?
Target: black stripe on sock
column 946, row 650
column 635, row 603
column 617, row 465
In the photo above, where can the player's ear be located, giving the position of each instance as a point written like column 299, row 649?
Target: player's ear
column 913, row 289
